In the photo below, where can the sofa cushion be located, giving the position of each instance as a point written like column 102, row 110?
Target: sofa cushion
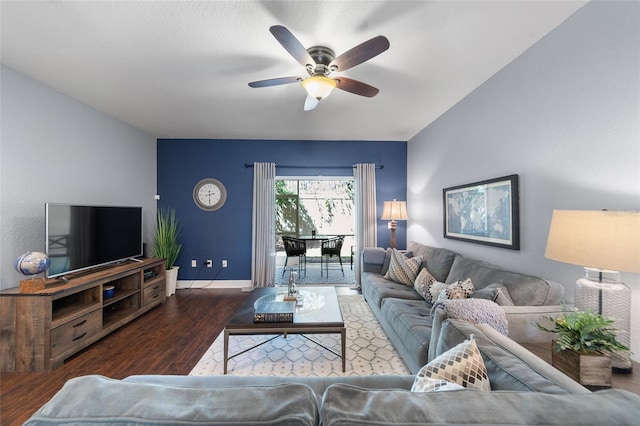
column 523, row 289
column 410, row 323
column 461, row 364
column 437, row 260
column 402, row 269
column 495, row 292
column 377, row 289
column 100, row 400
column 350, row 405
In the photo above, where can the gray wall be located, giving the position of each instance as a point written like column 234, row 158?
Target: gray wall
column 55, row 149
column 565, row 116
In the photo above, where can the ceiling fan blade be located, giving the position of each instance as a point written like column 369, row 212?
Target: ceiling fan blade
column 292, row 45
column 356, row 87
column 361, row 53
column 274, row 81
column 310, row 103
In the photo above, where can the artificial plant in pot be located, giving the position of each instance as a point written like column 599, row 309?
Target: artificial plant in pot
column 166, row 244
column 583, row 344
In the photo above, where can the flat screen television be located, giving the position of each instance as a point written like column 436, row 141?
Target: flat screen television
column 82, row 237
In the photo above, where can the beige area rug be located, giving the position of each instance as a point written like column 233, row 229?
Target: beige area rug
column 368, row 351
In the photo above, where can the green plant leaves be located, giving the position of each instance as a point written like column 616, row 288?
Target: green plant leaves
column 584, row 331
column 165, row 244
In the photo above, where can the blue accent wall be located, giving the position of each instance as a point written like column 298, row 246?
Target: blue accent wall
column 226, row 233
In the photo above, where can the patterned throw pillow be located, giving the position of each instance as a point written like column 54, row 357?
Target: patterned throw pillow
column 461, row 364
column 403, row 270
column 436, row 290
column 458, row 290
column 423, row 282
column 436, row 385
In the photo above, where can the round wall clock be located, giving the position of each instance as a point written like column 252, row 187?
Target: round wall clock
column 209, row 194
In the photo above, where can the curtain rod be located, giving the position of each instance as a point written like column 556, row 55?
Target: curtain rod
column 247, row 165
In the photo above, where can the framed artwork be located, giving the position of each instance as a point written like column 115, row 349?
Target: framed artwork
column 485, row 212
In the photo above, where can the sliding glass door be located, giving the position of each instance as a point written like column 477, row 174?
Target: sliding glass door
column 315, row 206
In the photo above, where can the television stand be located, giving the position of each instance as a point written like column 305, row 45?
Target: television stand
column 43, row 328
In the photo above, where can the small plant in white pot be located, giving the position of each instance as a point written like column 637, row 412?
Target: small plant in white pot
column 166, row 244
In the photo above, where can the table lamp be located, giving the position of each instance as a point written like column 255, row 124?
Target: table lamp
column 605, row 243
column 394, row 211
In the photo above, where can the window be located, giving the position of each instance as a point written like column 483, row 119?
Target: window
column 312, row 204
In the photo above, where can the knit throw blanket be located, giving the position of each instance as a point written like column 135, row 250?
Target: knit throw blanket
column 477, row 311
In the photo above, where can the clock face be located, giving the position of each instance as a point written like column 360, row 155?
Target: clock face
column 209, row 194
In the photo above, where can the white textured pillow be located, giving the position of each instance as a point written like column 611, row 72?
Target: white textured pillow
column 461, row 364
column 403, row 270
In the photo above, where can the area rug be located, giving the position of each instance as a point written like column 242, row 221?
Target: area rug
column 369, row 352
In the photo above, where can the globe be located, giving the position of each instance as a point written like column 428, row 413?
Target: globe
column 32, row 263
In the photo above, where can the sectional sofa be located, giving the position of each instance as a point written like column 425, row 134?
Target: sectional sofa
column 524, row 390
column 406, row 316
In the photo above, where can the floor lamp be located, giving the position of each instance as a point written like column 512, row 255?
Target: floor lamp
column 604, row 242
column 394, row 211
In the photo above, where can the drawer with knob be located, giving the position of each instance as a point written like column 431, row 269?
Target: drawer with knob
column 153, row 293
column 75, row 332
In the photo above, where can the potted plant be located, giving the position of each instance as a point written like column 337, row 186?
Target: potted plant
column 583, row 345
column 166, row 245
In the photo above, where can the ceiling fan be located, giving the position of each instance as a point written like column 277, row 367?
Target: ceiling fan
column 320, row 61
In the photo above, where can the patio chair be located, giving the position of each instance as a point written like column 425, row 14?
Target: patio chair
column 328, row 249
column 295, row 248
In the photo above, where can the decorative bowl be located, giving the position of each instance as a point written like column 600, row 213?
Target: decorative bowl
column 108, row 291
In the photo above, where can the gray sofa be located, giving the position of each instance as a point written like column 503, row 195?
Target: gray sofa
column 406, row 316
column 524, row 390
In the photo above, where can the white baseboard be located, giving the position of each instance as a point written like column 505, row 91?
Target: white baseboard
column 241, row 284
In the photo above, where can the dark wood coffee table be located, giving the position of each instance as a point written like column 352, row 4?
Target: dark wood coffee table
column 319, row 314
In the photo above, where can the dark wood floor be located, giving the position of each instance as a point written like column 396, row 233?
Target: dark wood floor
column 169, row 339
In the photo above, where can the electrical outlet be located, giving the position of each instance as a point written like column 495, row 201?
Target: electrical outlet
column 209, row 263
column 194, row 263
column 224, row 263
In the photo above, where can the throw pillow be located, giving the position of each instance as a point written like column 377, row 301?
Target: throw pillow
column 387, row 259
column 436, row 289
column 486, row 293
column 458, row 290
column 403, row 270
column 423, row 282
column 461, row 364
column 495, row 292
column 436, row 385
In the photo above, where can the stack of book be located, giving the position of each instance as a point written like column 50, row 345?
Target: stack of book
column 274, row 311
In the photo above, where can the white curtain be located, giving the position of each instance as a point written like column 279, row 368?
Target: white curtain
column 263, row 247
column 365, row 204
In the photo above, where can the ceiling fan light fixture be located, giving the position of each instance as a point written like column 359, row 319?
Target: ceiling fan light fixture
column 318, row 86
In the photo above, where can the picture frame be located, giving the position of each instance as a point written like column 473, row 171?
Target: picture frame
column 485, row 212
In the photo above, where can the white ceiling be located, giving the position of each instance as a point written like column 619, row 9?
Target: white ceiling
column 179, row 69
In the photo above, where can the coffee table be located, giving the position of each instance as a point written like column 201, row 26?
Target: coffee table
column 319, row 314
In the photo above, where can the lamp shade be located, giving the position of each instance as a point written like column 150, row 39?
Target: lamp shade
column 395, row 210
column 318, row 86
column 607, row 240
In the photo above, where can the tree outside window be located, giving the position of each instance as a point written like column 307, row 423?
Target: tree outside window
column 307, row 205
